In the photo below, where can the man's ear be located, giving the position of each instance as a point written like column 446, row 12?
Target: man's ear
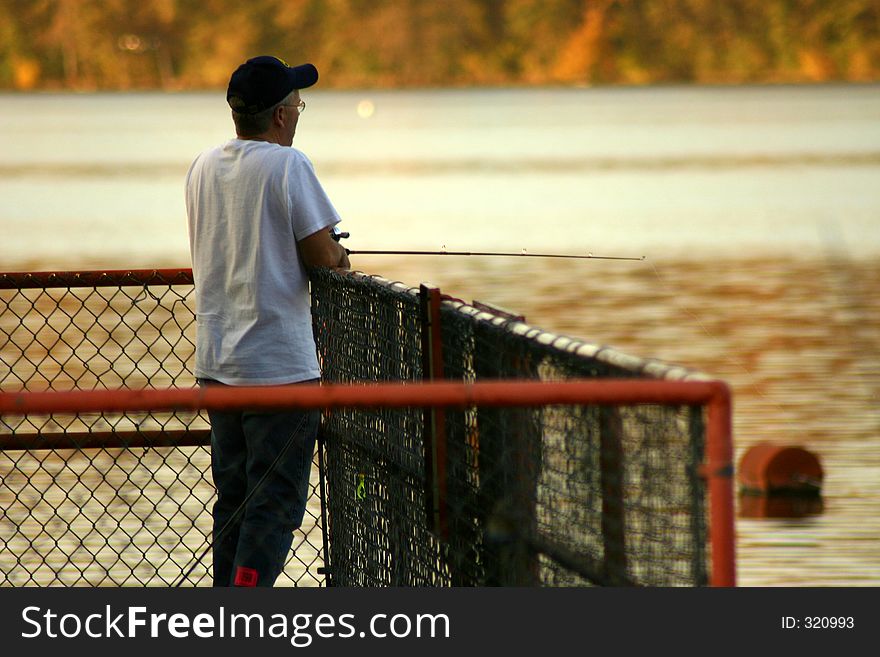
column 277, row 116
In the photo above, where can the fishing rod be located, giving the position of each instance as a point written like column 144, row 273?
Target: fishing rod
column 338, row 235
column 524, row 254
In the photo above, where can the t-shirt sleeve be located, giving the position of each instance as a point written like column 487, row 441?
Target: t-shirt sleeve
column 310, row 207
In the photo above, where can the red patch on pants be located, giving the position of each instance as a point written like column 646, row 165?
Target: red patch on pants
column 245, row 576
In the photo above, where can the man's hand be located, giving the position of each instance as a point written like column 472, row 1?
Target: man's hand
column 321, row 250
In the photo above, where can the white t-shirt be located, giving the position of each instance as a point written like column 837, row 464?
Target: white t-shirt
column 248, row 203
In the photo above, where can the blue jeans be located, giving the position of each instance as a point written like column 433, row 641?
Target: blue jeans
column 259, row 504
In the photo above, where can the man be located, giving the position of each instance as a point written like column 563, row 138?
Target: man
column 258, row 217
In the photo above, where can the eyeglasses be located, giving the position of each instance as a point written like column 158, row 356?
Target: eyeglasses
column 300, row 106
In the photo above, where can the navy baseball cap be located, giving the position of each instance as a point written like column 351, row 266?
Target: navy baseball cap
column 263, row 81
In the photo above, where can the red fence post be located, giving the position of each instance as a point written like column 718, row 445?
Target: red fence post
column 613, row 504
column 719, row 471
column 435, row 417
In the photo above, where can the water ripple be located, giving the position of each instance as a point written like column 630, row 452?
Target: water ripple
column 434, row 167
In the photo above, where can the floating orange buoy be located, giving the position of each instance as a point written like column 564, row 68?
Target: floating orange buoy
column 767, row 469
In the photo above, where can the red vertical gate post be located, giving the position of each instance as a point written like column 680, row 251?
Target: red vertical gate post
column 435, row 417
column 719, row 465
column 613, row 504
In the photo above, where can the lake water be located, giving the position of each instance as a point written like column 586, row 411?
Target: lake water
column 757, row 208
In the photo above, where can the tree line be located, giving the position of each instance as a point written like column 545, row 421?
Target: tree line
column 194, row 44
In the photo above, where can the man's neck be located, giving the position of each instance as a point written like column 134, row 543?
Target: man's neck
column 269, row 137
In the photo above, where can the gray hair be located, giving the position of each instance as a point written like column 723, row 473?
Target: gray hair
column 251, row 125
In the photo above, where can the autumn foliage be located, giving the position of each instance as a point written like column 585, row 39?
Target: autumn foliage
column 191, row 44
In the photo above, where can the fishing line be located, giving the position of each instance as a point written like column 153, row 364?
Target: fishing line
column 270, row 470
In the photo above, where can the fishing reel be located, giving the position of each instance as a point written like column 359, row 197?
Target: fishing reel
column 337, row 234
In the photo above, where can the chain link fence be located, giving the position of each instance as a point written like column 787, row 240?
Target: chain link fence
column 550, row 496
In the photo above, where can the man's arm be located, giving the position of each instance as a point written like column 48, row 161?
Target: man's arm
column 321, row 250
